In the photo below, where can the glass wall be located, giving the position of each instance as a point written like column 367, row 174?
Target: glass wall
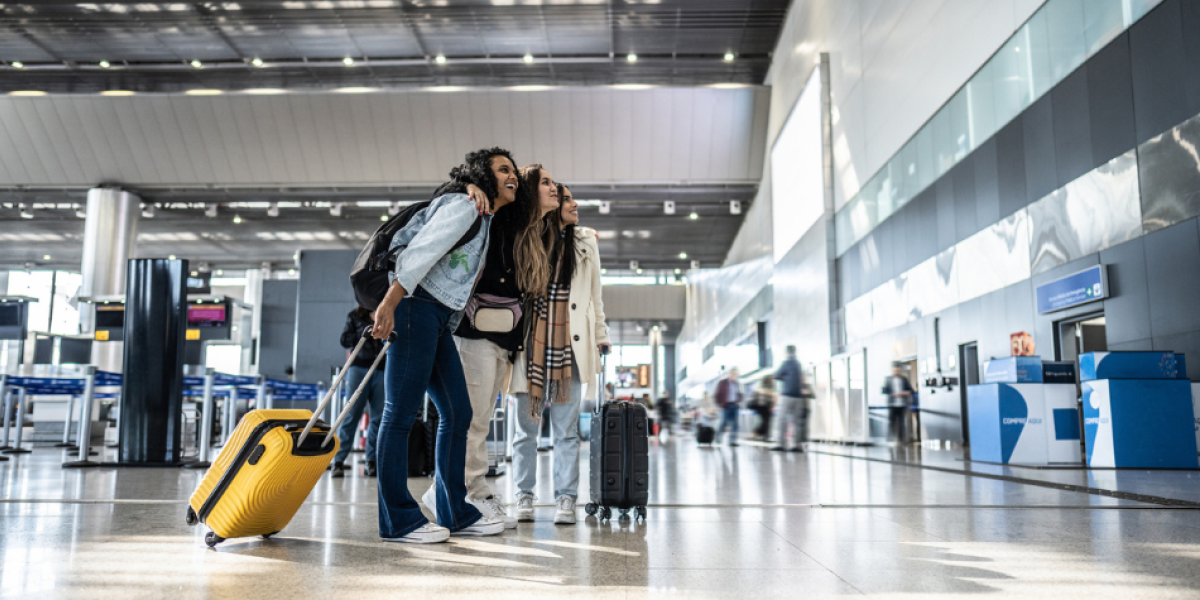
column 51, row 288
column 1050, row 45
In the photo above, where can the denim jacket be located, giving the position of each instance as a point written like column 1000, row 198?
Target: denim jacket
column 426, row 259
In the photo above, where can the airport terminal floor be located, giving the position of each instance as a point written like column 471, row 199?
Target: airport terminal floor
column 724, row 522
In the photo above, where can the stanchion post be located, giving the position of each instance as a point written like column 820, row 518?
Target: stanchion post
column 260, row 394
column 66, row 441
column 117, row 411
column 6, row 404
column 207, row 406
column 84, row 437
column 17, row 449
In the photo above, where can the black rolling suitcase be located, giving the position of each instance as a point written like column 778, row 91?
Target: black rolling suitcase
column 620, row 459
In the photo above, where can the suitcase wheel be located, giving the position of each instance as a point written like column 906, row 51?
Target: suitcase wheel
column 212, row 539
column 591, row 509
column 640, row 513
column 267, row 536
column 191, row 517
column 605, row 513
column 624, row 514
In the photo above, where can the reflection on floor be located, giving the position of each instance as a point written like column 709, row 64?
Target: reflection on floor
column 724, row 523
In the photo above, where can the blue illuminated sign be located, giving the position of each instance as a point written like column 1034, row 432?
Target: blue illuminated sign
column 1085, row 286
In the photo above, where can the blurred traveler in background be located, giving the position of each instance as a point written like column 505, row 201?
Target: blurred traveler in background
column 666, row 413
column 729, row 399
column 899, row 392
column 792, row 409
column 763, row 404
column 372, row 397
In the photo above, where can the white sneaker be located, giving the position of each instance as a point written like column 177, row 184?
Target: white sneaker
column 484, row 526
column 428, row 533
column 566, row 511
column 429, row 499
column 492, row 507
column 525, row 509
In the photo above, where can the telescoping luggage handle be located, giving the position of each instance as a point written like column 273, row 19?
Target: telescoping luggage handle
column 603, row 373
column 338, row 382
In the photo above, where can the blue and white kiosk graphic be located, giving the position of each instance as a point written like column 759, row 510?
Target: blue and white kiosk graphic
column 1018, row 418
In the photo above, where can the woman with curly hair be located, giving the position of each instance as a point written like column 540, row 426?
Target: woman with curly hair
column 568, row 334
column 492, row 330
column 430, row 285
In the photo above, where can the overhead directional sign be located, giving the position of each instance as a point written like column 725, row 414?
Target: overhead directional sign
column 1088, row 285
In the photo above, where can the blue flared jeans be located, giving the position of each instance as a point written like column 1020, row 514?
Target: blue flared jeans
column 423, row 359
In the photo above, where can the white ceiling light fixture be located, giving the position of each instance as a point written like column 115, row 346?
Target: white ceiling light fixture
column 210, row 211
column 694, row 216
column 528, row 58
column 605, row 207
column 237, row 219
column 291, row 271
column 16, row 64
column 204, row 92
column 197, row 64
column 735, row 207
column 383, row 218
column 27, row 93
column 265, row 91
column 79, row 212
column 117, row 93
column 104, row 64
column 258, row 62
column 631, row 57
column 683, row 256
column 171, row 257
column 336, row 209
column 669, row 207
column 639, row 271
column 45, row 257
column 355, row 90
column 218, row 272
column 440, row 59
column 273, row 210
column 729, row 57
column 25, row 212
column 148, row 210
column 348, row 61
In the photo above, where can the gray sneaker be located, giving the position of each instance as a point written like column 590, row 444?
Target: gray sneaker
column 484, row 526
column 525, row 509
column 565, row 515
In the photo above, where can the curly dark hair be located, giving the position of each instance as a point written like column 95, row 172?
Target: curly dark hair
column 477, row 169
column 564, row 245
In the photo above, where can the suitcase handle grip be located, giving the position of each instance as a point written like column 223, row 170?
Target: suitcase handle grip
column 603, row 390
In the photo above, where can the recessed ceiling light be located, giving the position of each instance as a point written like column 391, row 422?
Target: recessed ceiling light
column 693, row 216
column 27, row 93
column 529, row 88
column 728, row 86
column 16, row 64
column 218, row 272
column 729, row 57
column 632, row 86
column 265, row 91
column 117, row 93
column 631, row 57
column 528, row 58
column 683, row 256
column 604, row 271
column 383, row 217
column 355, row 90
column 204, row 92
column 237, row 219
column 440, row 59
column 171, row 257
column 291, row 271
column 197, row 64
column 678, row 271
column 104, row 64
column 258, row 62
column 639, row 271
column 349, row 62
column 195, row 273
column 45, row 257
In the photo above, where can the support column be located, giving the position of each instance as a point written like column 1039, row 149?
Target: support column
column 655, row 366
column 109, row 236
column 253, row 297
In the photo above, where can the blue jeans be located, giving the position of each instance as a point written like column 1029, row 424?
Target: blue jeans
column 372, row 399
column 423, row 360
column 729, row 419
column 564, row 421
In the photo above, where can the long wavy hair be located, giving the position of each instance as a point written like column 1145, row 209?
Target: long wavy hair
column 564, row 245
column 537, row 239
column 513, row 222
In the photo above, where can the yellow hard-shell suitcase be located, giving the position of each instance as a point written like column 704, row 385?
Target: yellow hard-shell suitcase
column 262, row 475
column 270, row 464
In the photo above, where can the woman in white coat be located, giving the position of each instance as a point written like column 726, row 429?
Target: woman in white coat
column 562, row 355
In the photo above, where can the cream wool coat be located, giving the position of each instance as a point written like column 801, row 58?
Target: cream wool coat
column 588, row 326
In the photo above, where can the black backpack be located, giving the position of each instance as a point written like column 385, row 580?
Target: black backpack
column 369, row 276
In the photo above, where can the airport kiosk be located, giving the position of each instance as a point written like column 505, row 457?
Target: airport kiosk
column 1025, row 413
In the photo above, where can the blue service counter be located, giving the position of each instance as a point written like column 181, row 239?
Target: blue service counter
column 1025, row 412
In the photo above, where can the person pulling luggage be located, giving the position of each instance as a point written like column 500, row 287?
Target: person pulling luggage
column 372, row 398
column 568, row 335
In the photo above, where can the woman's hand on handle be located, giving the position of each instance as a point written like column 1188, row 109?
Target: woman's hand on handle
column 385, row 315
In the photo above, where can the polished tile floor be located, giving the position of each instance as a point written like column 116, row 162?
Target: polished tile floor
column 724, row 523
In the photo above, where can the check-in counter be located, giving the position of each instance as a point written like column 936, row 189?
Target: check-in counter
column 1025, row 412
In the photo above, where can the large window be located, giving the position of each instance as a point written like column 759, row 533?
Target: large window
column 53, row 289
column 797, row 179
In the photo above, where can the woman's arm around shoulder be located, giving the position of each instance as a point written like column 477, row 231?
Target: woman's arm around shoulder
column 452, row 216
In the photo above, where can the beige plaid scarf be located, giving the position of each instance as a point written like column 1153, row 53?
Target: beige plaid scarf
column 550, row 359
